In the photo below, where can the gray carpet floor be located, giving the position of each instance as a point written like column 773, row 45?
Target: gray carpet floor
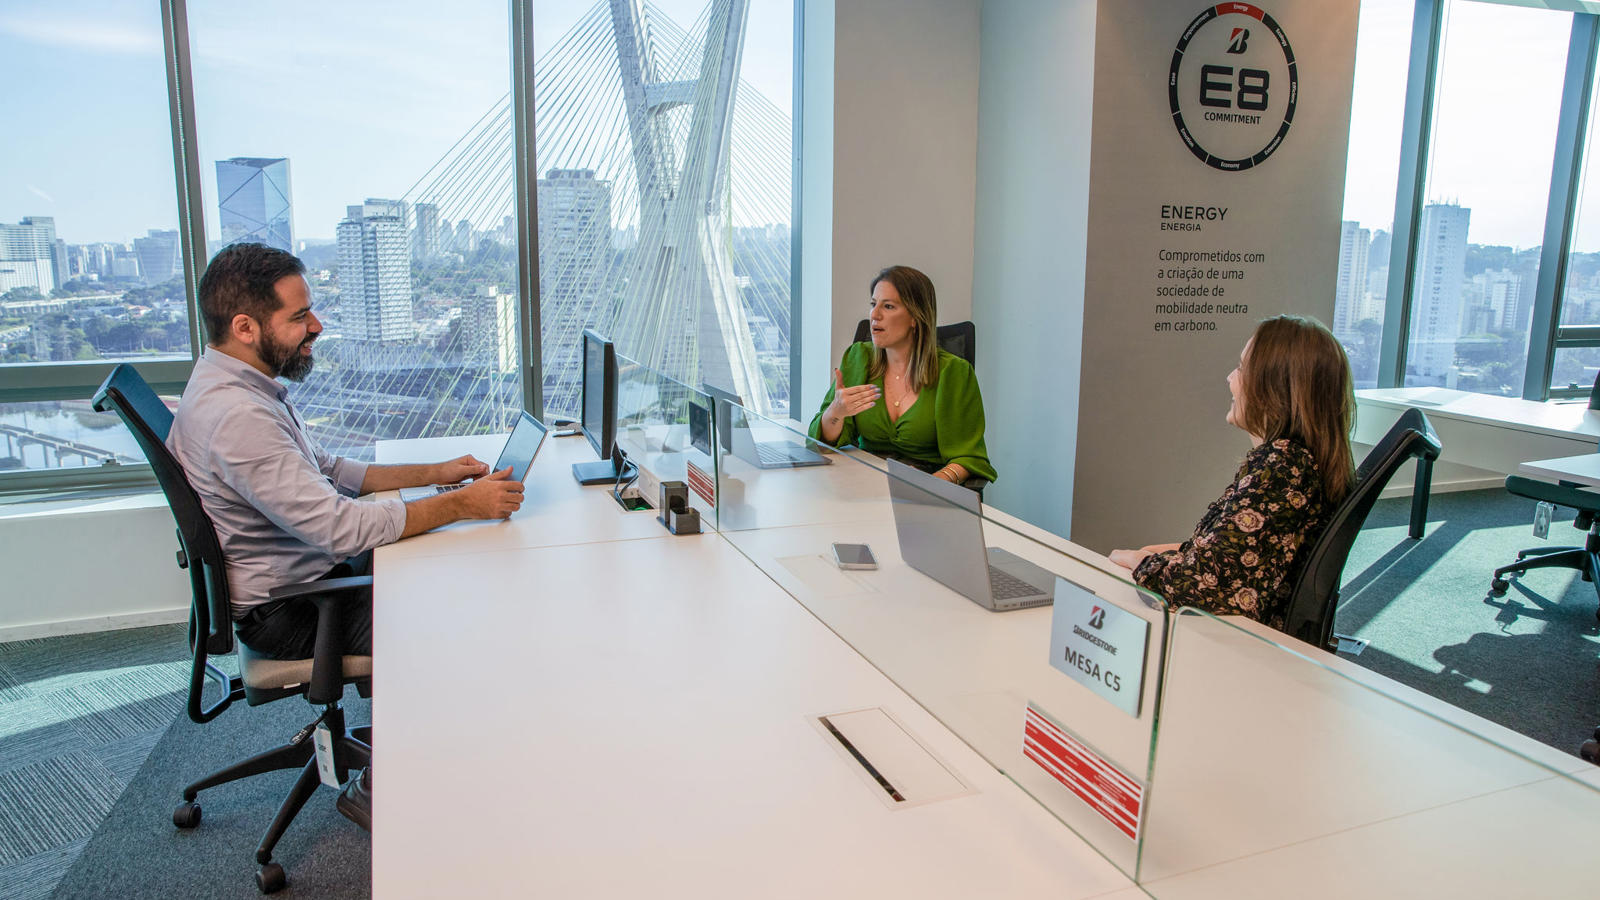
column 323, row 854
column 1529, row 660
column 78, row 717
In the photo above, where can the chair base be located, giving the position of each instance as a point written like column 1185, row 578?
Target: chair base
column 352, row 749
column 1585, row 559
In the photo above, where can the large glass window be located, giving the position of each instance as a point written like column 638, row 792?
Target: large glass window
column 665, row 174
column 374, row 140
column 89, row 255
column 1576, row 367
column 1479, row 234
column 1383, row 48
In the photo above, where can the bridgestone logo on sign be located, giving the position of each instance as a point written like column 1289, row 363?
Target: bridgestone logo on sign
column 1233, row 86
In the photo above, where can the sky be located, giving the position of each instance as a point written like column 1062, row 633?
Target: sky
column 362, row 97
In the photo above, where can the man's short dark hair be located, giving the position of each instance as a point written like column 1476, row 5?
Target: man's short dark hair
column 240, row 279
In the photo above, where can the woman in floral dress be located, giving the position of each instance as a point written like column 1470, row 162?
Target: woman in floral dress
column 1292, row 395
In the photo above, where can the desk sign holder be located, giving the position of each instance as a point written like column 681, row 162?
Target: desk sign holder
column 1098, row 645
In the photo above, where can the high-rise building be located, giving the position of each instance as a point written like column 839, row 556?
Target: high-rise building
column 425, row 237
column 574, row 244
column 375, row 273
column 489, row 319
column 1501, row 293
column 28, row 255
column 253, row 202
column 1354, row 242
column 466, row 238
column 1436, row 301
column 159, row 254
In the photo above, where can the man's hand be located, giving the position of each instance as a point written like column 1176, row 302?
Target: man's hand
column 459, row 469
column 493, row 497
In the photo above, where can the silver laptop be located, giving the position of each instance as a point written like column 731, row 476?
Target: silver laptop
column 520, row 449
column 941, row 536
column 739, row 439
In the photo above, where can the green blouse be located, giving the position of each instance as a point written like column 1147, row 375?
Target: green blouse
column 943, row 426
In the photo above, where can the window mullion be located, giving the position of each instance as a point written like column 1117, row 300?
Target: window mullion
column 1565, row 174
column 1427, row 28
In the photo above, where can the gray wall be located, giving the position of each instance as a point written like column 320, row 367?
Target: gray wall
column 1033, row 198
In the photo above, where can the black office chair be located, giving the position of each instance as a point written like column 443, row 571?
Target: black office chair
column 1309, row 614
column 960, row 339
column 1585, row 559
column 320, row 680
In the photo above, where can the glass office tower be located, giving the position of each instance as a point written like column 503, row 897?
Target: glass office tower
column 253, row 202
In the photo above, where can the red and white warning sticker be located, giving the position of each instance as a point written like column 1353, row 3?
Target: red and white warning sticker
column 701, row 483
column 1108, row 790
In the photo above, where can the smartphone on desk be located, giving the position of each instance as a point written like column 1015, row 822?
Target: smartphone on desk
column 853, row 556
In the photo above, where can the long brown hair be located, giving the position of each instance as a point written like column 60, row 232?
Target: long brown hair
column 917, row 296
column 1295, row 382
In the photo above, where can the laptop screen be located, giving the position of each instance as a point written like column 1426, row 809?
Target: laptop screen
column 521, row 447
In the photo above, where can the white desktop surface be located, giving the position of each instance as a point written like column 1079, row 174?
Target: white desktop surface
column 1558, row 419
column 1581, row 469
column 632, row 715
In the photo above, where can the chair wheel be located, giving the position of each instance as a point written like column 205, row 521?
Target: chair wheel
column 1590, row 751
column 271, row 878
column 1499, row 586
column 187, row 815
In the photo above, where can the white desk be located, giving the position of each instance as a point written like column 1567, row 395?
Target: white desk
column 1582, row 469
column 1485, row 437
column 631, row 715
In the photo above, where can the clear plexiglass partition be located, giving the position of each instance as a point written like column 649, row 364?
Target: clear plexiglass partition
column 664, row 428
column 1060, row 697
column 1283, row 771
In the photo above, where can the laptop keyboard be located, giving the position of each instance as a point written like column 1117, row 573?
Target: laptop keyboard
column 774, row 453
column 1005, row 586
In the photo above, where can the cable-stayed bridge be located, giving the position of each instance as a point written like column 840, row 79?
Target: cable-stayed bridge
column 664, row 209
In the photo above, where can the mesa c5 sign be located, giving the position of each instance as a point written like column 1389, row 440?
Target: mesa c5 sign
column 1233, row 86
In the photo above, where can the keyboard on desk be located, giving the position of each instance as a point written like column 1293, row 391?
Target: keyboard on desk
column 778, row 454
column 1005, row 586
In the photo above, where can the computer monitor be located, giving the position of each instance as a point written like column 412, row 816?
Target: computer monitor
column 599, row 410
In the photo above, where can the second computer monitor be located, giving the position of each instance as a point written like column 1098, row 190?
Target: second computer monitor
column 599, row 409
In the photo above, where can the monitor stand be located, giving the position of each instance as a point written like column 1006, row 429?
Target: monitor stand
column 601, row 471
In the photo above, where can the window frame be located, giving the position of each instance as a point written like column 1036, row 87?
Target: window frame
column 1545, row 336
column 34, row 382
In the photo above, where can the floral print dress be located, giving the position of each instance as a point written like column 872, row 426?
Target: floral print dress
column 1241, row 558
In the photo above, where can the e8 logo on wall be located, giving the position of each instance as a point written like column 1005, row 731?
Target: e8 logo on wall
column 1233, row 86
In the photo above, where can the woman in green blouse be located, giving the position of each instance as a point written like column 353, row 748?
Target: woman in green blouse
column 902, row 396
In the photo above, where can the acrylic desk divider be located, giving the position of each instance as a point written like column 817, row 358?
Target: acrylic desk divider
column 1299, row 774
column 656, row 416
column 993, row 678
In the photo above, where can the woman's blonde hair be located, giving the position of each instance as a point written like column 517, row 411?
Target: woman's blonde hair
column 1295, row 382
column 917, row 296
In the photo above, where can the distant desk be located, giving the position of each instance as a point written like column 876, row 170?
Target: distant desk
column 1490, row 435
column 1582, row 469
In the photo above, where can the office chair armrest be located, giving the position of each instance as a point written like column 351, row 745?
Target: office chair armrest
column 326, row 586
column 329, row 596
column 1568, row 495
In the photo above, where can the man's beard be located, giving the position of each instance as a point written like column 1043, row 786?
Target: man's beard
column 285, row 361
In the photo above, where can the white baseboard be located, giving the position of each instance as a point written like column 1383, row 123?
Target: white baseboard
column 93, row 624
column 1402, row 488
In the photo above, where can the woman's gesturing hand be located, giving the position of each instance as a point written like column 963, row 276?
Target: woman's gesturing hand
column 848, row 401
